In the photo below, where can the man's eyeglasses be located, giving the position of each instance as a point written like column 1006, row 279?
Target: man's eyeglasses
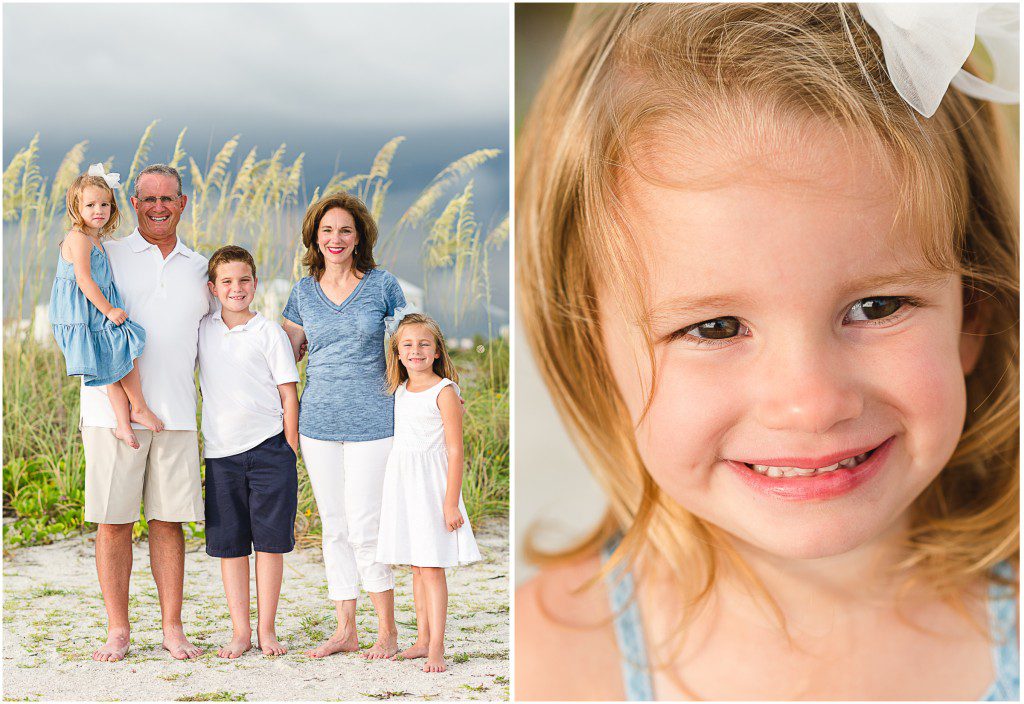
column 162, row 200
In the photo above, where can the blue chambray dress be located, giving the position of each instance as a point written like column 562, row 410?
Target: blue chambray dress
column 93, row 347
column 636, row 675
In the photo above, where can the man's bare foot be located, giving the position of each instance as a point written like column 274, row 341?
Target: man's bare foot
column 339, row 642
column 413, row 652
column 269, row 644
column 178, row 646
column 127, row 436
column 435, row 664
column 147, row 418
column 385, row 647
column 114, row 649
column 238, row 645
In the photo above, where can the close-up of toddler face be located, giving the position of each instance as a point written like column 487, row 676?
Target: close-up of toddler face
column 810, row 363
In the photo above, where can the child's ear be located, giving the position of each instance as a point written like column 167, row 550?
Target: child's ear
column 213, row 289
column 973, row 328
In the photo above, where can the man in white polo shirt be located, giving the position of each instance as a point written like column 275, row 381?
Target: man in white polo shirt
column 163, row 284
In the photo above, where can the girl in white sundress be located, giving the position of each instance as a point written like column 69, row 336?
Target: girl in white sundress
column 423, row 520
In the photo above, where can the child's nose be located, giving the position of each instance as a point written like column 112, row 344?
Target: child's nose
column 806, row 386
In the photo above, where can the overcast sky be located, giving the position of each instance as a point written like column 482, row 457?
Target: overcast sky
column 81, row 66
column 333, row 81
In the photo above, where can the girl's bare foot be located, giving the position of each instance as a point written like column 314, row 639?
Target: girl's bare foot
column 435, row 664
column 385, row 647
column 416, row 650
column 114, row 649
column 339, row 642
column 127, row 436
column 146, row 417
column 268, row 643
column 238, row 645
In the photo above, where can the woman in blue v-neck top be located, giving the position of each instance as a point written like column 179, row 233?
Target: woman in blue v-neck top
column 346, row 418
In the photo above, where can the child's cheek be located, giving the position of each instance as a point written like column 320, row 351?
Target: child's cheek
column 698, row 400
column 921, row 381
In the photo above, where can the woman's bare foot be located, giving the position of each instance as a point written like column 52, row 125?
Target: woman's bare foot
column 269, row 644
column 127, row 436
column 435, row 664
column 416, row 650
column 385, row 647
column 238, row 645
column 339, row 642
column 114, row 649
column 146, row 417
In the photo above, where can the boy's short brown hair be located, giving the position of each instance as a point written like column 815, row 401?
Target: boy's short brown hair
column 229, row 253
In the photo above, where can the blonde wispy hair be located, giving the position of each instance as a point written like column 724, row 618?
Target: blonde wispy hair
column 629, row 75
column 396, row 373
column 73, row 202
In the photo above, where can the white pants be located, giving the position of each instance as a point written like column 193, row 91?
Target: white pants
column 348, row 482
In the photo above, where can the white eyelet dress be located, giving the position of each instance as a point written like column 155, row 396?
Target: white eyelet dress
column 412, row 528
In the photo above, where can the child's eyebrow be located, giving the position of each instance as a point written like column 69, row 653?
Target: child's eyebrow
column 683, row 306
column 672, row 309
column 928, row 277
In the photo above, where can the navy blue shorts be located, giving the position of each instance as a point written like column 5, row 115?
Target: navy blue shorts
column 251, row 499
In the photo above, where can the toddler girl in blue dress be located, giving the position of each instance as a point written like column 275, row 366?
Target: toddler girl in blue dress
column 92, row 329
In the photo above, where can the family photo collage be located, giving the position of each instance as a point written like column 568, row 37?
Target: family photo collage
column 511, row 351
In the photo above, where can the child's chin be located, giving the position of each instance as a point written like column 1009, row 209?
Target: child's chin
column 811, row 542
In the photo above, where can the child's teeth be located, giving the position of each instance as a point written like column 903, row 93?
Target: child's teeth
column 803, row 472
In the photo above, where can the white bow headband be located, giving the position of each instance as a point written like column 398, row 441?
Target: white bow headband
column 926, row 45
column 112, row 179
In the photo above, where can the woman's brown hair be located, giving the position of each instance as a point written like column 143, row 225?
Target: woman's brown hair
column 366, row 229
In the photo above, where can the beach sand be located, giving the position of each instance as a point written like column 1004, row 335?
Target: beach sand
column 54, row 619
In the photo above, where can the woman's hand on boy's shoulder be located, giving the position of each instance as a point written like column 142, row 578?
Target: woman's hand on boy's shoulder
column 558, row 621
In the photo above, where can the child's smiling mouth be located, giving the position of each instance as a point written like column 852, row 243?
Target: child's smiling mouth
column 810, row 478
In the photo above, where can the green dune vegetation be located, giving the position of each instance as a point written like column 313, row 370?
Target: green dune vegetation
column 256, row 202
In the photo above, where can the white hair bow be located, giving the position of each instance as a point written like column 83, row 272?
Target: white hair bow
column 113, row 179
column 926, row 45
column 391, row 324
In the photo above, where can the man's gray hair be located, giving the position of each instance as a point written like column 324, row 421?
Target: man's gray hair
column 162, row 170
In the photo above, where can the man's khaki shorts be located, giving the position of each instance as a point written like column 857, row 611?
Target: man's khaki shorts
column 163, row 472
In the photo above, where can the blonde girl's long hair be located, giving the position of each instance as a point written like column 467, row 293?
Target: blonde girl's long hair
column 628, row 75
column 73, row 201
column 443, row 366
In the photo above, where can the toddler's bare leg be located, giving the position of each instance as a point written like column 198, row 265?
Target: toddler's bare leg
column 437, row 614
column 269, row 571
column 122, row 411
column 419, row 598
column 140, row 410
column 235, row 572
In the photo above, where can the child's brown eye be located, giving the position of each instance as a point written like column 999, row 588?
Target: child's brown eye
column 716, row 329
column 875, row 308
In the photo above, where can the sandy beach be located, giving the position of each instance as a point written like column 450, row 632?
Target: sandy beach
column 54, row 619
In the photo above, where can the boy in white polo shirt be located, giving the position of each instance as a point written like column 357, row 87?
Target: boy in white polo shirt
column 248, row 378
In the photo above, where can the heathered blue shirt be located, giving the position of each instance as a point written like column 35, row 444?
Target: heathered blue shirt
column 345, row 397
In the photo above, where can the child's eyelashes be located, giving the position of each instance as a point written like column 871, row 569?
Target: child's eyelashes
column 881, row 310
column 875, row 311
column 716, row 332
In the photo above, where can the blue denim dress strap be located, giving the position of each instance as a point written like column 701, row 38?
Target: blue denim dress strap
column 1002, row 611
column 636, row 676
column 629, row 631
